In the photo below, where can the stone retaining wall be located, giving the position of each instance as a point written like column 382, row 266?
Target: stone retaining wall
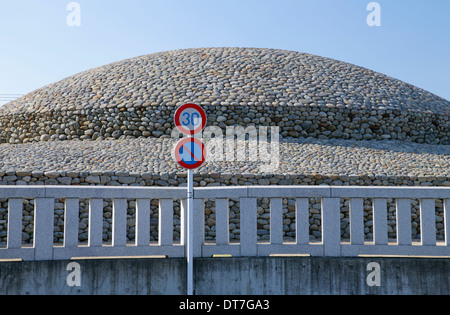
column 305, row 119
column 147, row 179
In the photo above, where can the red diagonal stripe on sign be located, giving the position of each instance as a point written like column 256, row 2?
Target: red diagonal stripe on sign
column 190, row 153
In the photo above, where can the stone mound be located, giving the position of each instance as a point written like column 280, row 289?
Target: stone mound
column 340, row 124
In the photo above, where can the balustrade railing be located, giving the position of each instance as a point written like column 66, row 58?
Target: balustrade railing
column 247, row 244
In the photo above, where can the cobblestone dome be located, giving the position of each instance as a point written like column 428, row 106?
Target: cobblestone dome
column 303, row 94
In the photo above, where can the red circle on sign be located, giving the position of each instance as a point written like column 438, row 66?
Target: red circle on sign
column 181, row 145
column 180, row 112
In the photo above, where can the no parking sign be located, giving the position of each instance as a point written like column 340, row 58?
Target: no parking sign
column 190, row 153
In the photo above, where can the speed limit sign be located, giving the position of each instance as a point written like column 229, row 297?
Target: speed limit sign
column 190, row 119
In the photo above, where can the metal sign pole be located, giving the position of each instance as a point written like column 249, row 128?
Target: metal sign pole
column 190, row 234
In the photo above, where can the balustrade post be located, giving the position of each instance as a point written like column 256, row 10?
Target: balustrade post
column 15, row 212
column 95, row 222
column 119, row 223
column 71, row 222
column 380, row 236
column 248, row 237
column 404, row 221
column 276, row 221
column 331, row 227
column 222, row 222
column 357, row 221
column 302, row 221
column 427, row 222
column 447, row 221
column 142, row 222
column 165, row 222
column 43, row 228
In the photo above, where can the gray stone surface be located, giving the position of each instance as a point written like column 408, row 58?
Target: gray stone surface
column 306, row 95
column 297, row 157
column 340, row 124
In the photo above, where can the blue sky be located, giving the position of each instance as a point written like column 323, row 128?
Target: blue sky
column 37, row 47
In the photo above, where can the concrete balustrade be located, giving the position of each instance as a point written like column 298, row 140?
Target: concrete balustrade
column 247, row 243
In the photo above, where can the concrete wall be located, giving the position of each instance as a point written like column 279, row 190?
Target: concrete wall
column 227, row 276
